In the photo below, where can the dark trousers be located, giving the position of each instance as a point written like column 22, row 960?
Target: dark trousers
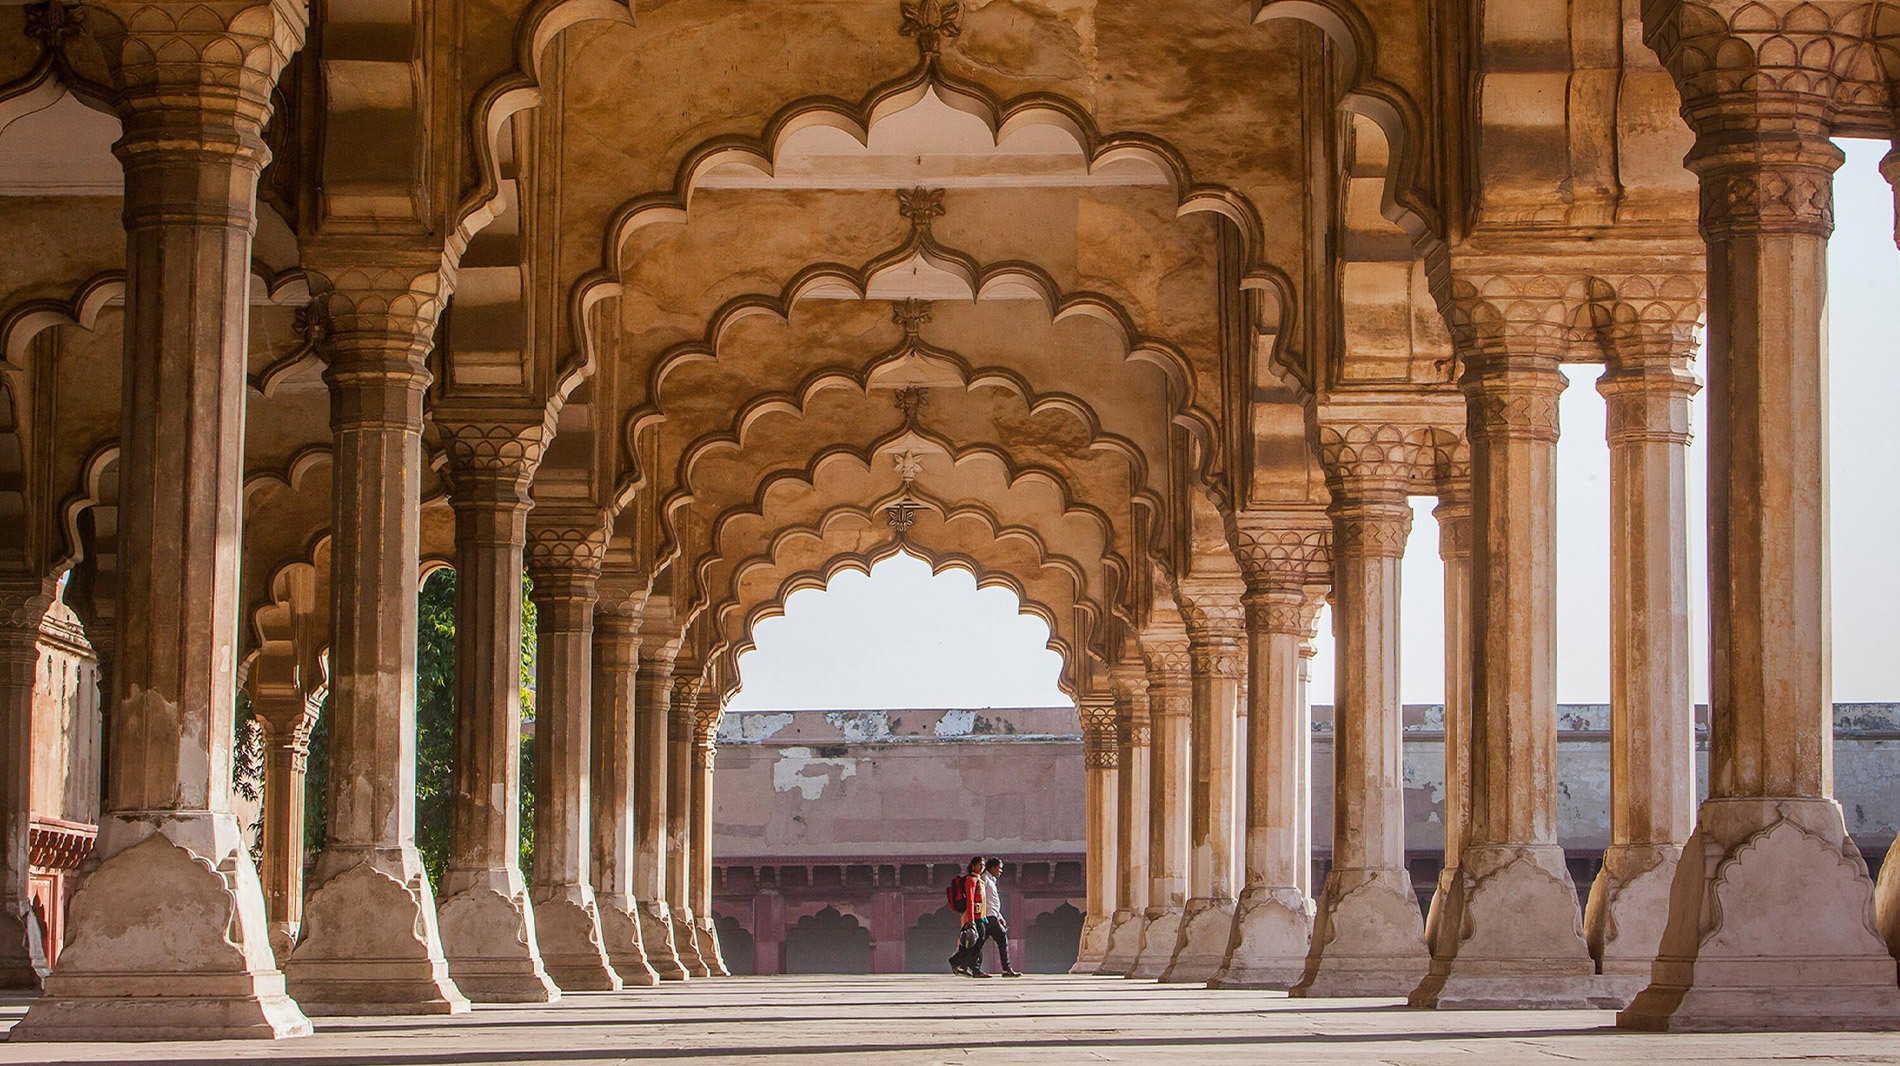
column 970, row 958
column 993, row 932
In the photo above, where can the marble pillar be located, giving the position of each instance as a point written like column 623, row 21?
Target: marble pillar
column 286, row 714
column 1170, row 706
column 488, row 928
column 616, row 695
column 564, row 570
column 1273, row 924
column 370, row 943
column 1453, row 515
column 167, row 936
column 1216, row 626
column 1132, row 737
column 23, row 604
column 1774, row 926
column 1648, row 386
column 653, row 693
column 679, row 836
column 1368, row 937
column 699, row 846
column 1101, row 761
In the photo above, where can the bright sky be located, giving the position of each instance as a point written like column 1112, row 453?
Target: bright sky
column 902, row 638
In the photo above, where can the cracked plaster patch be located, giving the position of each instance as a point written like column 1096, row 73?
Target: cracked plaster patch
column 794, row 770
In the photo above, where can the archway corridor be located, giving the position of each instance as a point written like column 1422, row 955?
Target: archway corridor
column 1162, row 316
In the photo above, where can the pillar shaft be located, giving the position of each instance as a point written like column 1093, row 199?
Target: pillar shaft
column 616, row 667
column 488, row 930
column 1368, row 938
column 22, row 605
column 167, row 936
column 679, row 811
column 699, row 846
column 286, row 718
column 1170, row 706
column 1101, row 759
column 652, row 757
column 1132, row 795
column 1453, row 514
column 1215, row 624
column 564, row 572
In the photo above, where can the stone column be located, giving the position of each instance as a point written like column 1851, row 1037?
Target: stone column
column 370, row 943
column 1132, row 792
column 488, row 930
column 1454, row 550
column 1368, row 937
column 616, row 695
column 23, row 604
column 1216, row 626
column 653, row 694
column 1170, row 704
column 564, row 564
column 1774, row 927
column 1101, row 759
column 699, row 846
column 1648, row 386
column 286, row 715
column 1273, row 924
column 166, row 939
column 679, row 839
column 1316, row 598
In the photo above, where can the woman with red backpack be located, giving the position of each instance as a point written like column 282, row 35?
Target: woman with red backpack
column 969, row 899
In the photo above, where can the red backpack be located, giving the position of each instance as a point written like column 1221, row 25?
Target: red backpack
column 958, row 894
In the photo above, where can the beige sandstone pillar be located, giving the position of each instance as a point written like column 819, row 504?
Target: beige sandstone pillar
column 1216, row 627
column 370, row 943
column 488, row 928
column 1887, row 888
column 166, row 938
column 286, row 715
column 1774, row 928
column 1273, row 924
column 652, row 711
column 23, row 604
column 1368, row 937
column 1316, row 598
column 699, row 846
column 1132, row 792
column 564, row 565
column 679, row 837
column 1101, row 761
column 1170, row 706
column 1454, row 551
column 1652, row 715
column 616, row 694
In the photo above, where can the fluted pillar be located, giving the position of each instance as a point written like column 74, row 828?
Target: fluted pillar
column 1101, row 759
column 1774, row 927
column 679, row 807
column 1368, row 937
column 23, row 604
column 488, row 930
column 616, row 695
column 370, row 943
column 1453, row 515
column 167, row 936
column 1170, row 781
column 1648, row 386
column 1216, row 627
column 564, row 564
column 1273, row 923
column 705, row 740
column 1132, row 738
column 653, row 693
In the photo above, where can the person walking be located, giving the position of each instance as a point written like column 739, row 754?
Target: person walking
column 994, row 927
column 969, row 896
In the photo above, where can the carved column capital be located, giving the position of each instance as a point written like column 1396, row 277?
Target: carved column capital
column 492, row 454
column 1374, row 459
column 1284, row 551
column 1170, row 676
column 560, row 552
column 1280, row 609
column 375, row 323
column 1130, row 682
column 24, row 602
column 1100, row 732
column 1371, row 527
column 1454, row 523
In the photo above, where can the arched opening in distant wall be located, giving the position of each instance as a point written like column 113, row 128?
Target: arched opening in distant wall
column 828, row 942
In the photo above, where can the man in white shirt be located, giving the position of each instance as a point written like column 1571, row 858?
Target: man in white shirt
column 994, row 927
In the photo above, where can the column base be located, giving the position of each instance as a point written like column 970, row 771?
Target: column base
column 710, row 953
column 1629, row 906
column 1207, row 931
column 1124, row 944
column 1773, row 930
column 1159, row 934
column 568, row 925
column 686, row 943
column 656, row 933
column 22, row 961
column 626, row 948
column 369, row 943
column 167, row 941
column 1094, row 944
column 1511, row 937
column 1368, row 937
column 1273, row 928
column 283, row 940
column 488, row 938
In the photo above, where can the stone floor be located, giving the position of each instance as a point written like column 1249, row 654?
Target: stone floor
column 919, row 1019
